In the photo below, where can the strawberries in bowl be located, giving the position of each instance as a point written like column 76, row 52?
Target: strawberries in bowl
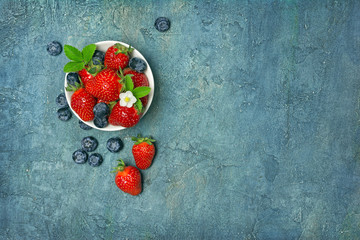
column 127, row 93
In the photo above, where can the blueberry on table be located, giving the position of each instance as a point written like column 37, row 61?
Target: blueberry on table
column 162, row 24
column 64, row 114
column 80, row 156
column 98, row 57
column 95, row 160
column 101, row 122
column 72, row 78
column 61, row 100
column 114, row 144
column 84, row 126
column 101, row 110
column 137, row 64
column 89, row 144
column 54, row 48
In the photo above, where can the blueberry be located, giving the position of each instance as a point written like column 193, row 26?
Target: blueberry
column 162, row 24
column 114, row 144
column 89, row 144
column 73, row 78
column 95, row 160
column 80, row 156
column 101, row 110
column 54, row 48
column 98, row 57
column 64, row 114
column 61, row 100
column 84, row 126
column 101, row 122
column 137, row 64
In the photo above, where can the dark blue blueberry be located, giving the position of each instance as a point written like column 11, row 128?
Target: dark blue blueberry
column 101, row 122
column 64, row 114
column 84, row 125
column 95, row 160
column 101, row 110
column 137, row 64
column 61, row 100
column 80, row 156
column 114, row 144
column 89, row 144
column 162, row 24
column 73, row 78
column 98, row 57
column 54, row 48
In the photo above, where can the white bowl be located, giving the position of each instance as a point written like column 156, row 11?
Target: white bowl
column 103, row 46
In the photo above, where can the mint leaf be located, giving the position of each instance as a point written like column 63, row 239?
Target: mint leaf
column 129, row 84
column 73, row 53
column 74, row 66
column 88, row 52
column 138, row 105
column 140, row 92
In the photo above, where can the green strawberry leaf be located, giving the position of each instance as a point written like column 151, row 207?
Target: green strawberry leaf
column 140, row 92
column 88, row 52
column 73, row 53
column 74, row 66
column 138, row 105
column 129, row 84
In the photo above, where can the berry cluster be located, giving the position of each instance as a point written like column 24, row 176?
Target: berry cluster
column 108, row 87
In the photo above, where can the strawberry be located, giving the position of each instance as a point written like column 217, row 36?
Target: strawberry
column 143, row 151
column 83, row 103
column 117, row 56
column 124, row 116
column 139, row 80
column 85, row 76
column 128, row 178
column 105, row 85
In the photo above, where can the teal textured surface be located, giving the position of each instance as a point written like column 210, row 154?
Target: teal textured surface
column 255, row 113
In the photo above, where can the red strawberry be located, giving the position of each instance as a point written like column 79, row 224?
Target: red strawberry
column 128, row 178
column 83, row 103
column 105, row 85
column 117, row 56
column 124, row 116
column 139, row 80
column 85, row 76
column 143, row 151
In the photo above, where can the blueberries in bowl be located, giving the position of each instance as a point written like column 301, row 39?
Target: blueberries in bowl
column 101, row 122
column 95, row 160
column 80, row 156
column 54, row 48
column 137, row 64
column 89, row 144
column 61, row 100
column 114, row 144
column 73, row 78
column 162, row 24
column 101, row 109
column 64, row 114
column 98, row 57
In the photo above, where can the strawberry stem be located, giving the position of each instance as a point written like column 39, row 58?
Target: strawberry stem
column 120, row 167
column 140, row 139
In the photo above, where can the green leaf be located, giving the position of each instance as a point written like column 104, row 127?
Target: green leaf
column 138, row 105
column 92, row 70
column 129, row 84
column 140, row 92
column 74, row 66
column 88, row 52
column 73, row 53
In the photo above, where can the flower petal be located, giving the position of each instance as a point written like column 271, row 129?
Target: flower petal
column 123, row 103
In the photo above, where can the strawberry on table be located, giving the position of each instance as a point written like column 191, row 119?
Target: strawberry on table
column 143, row 151
column 128, row 178
column 117, row 56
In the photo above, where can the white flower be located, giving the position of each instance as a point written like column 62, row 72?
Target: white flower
column 127, row 99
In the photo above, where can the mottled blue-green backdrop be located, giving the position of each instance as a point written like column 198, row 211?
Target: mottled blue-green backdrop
column 256, row 116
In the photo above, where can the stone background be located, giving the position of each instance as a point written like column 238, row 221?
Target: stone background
column 256, row 117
